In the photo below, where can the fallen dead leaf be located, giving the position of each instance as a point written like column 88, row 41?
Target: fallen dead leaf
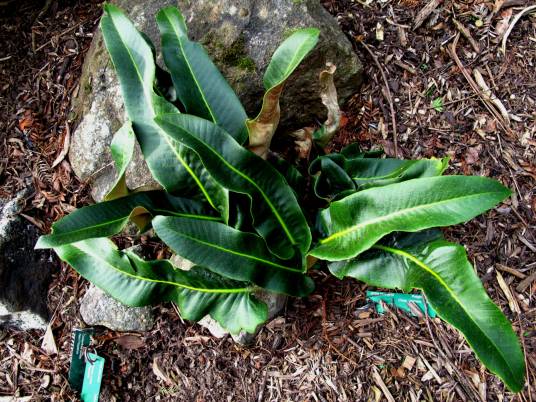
column 130, row 342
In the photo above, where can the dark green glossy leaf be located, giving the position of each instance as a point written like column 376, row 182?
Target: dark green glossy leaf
column 330, row 180
column 133, row 61
column 122, row 149
column 163, row 85
column 291, row 174
column 200, row 86
column 277, row 216
column 134, row 282
column 233, row 254
column 334, row 173
column 442, row 271
column 354, row 223
column 110, row 217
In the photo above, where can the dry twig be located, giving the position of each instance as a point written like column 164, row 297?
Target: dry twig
column 388, row 94
column 474, row 86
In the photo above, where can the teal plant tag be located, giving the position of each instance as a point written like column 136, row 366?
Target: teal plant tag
column 92, row 378
column 81, row 339
column 401, row 301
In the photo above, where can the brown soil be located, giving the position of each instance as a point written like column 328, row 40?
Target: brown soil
column 329, row 346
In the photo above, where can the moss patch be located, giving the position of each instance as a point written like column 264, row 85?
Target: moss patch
column 235, row 55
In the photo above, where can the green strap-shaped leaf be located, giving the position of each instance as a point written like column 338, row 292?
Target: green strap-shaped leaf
column 442, row 271
column 133, row 61
column 163, row 85
column 122, row 148
column 135, row 282
column 289, row 55
column 277, row 216
column 233, row 254
column 110, row 217
column 368, row 172
column 284, row 61
column 334, row 173
column 356, row 222
column 199, row 84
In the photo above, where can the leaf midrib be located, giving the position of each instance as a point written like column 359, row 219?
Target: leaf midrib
column 140, row 278
column 247, row 256
column 423, row 265
column 147, row 95
column 289, row 70
column 244, row 176
column 198, row 86
column 150, row 105
column 113, row 221
column 190, row 171
column 382, row 218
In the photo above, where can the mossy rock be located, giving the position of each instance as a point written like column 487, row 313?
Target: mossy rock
column 240, row 36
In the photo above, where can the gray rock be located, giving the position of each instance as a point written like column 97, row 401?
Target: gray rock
column 25, row 273
column 275, row 302
column 97, row 308
column 240, row 36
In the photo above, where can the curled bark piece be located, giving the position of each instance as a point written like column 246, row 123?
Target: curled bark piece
column 328, row 94
column 514, row 22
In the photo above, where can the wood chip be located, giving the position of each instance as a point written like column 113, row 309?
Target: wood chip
column 465, row 32
column 409, row 362
column 65, row 149
column 131, row 342
column 511, row 271
column 378, row 380
column 490, row 96
column 512, row 302
column 160, row 374
column 425, row 12
column 431, row 370
column 525, row 283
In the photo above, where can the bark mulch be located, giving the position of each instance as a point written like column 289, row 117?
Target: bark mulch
column 422, row 97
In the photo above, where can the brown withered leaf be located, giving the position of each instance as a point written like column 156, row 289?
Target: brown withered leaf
column 131, row 342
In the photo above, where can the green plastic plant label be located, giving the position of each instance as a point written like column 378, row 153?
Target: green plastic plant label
column 81, row 339
column 401, row 301
column 92, row 378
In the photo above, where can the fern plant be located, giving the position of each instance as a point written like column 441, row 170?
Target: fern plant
column 241, row 219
